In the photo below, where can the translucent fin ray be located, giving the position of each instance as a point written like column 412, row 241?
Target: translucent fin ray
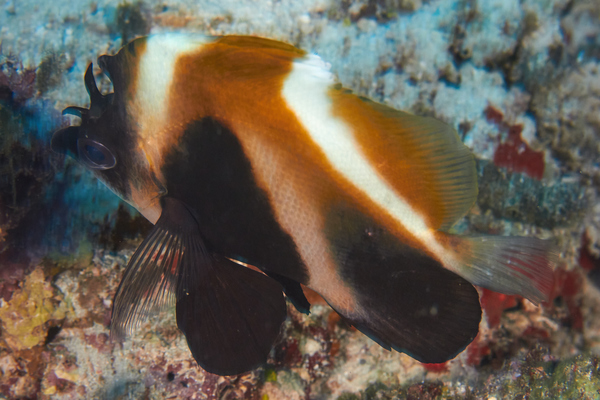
column 149, row 282
column 510, row 265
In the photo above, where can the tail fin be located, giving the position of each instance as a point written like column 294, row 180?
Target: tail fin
column 510, row 265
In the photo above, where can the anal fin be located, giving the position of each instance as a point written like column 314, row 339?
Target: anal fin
column 403, row 299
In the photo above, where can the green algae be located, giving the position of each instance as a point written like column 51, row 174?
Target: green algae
column 50, row 71
column 348, row 396
column 576, row 378
column 415, row 391
column 270, row 375
column 57, row 261
column 531, row 378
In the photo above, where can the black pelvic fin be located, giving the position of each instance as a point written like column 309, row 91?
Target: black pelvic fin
column 404, row 299
column 229, row 314
column 293, row 291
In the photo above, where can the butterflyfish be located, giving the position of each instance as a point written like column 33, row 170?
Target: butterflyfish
column 244, row 151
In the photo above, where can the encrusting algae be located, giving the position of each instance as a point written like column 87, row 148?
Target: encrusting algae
column 25, row 316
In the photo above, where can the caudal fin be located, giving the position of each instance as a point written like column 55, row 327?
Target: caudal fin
column 510, row 265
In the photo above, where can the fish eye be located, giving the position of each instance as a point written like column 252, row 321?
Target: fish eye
column 95, row 155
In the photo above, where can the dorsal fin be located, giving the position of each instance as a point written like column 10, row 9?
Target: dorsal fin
column 423, row 159
column 254, row 42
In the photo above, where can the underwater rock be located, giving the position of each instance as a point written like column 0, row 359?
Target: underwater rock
column 520, row 198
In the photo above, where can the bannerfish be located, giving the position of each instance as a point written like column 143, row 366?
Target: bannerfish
column 261, row 174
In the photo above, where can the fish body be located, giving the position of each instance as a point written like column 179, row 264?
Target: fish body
column 245, row 151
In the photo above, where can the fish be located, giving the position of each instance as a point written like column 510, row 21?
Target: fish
column 262, row 176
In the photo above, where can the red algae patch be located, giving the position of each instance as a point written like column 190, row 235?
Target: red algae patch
column 494, row 304
column 569, row 286
column 587, row 260
column 514, row 153
column 477, row 351
column 437, row 368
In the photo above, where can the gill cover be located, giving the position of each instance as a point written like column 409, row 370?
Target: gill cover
column 75, row 141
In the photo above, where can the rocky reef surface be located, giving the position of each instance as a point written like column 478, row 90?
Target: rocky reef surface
column 520, row 82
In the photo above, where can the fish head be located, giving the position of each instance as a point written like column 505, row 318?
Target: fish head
column 106, row 143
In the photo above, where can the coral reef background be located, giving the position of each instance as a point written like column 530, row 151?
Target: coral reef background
column 519, row 80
